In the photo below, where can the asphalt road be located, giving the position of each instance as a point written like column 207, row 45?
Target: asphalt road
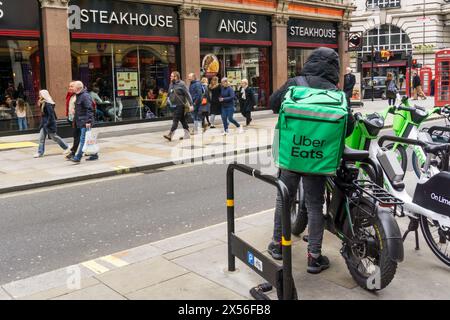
column 47, row 229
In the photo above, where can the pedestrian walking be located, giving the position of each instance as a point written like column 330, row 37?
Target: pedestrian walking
column 180, row 101
column 247, row 100
column 321, row 71
column 417, row 86
column 47, row 126
column 401, row 79
column 391, row 89
column 71, row 98
column 205, row 107
column 21, row 112
column 83, row 119
column 227, row 99
column 195, row 90
column 216, row 107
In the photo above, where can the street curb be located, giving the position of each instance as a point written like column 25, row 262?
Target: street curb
column 137, row 169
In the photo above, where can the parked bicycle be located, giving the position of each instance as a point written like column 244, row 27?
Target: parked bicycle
column 360, row 214
column 407, row 121
column 430, row 205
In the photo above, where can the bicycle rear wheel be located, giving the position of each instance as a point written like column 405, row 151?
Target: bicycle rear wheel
column 437, row 239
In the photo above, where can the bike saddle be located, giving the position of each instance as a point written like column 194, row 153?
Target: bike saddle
column 374, row 123
column 355, row 155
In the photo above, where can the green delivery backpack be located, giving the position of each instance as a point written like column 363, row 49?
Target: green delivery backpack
column 311, row 129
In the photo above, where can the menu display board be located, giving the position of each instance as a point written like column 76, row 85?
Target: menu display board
column 234, row 77
column 127, row 84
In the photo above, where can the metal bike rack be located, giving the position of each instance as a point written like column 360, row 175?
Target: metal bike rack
column 278, row 276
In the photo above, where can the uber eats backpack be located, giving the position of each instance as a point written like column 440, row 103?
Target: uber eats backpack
column 311, row 129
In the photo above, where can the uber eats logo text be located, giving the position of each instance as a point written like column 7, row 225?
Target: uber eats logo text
column 1, row 10
column 307, row 148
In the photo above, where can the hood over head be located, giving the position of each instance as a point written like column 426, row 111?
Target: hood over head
column 322, row 65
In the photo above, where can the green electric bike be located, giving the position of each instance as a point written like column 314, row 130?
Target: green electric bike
column 407, row 121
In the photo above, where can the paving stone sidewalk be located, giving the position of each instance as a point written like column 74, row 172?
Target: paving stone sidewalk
column 127, row 153
column 193, row 266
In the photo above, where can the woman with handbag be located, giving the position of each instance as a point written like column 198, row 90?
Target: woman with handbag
column 392, row 90
column 48, row 124
column 216, row 107
column 205, row 108
column 181, row 102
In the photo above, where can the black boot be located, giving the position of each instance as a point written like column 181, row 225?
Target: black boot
column 317, row 265
column 275, row 250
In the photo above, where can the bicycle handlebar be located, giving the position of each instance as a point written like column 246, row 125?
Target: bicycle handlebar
column 383, row 139
column 438, row 128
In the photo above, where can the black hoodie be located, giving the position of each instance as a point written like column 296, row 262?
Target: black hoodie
column 321, row 71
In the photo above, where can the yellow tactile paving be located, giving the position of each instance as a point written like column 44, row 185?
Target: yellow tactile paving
column 17, row 145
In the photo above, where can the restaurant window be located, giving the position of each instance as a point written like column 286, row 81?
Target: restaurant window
column 20, row 78
column 296, row 60
column 128, row 81
column 237, row 63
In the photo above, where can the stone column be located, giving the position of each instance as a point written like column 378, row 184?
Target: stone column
column 279, row 50
column 190, row 40
column 57, row 54
column 344, row 55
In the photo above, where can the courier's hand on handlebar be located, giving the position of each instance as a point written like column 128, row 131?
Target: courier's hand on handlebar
column 358, row 116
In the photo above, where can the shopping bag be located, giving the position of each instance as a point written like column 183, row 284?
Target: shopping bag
column 90, row 146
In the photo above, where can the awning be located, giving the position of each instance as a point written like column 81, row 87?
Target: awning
column 401, row 63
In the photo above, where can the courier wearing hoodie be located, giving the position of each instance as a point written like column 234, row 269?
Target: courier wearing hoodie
column 321, row 71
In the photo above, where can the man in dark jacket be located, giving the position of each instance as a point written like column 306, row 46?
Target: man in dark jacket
column 417, row 86
column 83, row 119
column 178, row 97
column 196, row 92
column 349, row 84
column 247, row 100
column 320, row 71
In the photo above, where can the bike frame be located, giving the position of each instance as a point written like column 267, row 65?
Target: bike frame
column 410, row 209
column 405, row 127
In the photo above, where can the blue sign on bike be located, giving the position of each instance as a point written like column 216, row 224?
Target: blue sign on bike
column 250, row 258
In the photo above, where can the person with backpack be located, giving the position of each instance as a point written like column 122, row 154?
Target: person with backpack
column 321, row 71
column 47, row 126
column 179, row 100
column 391, row 89
column 196, row 92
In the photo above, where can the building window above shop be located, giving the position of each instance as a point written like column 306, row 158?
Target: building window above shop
column 382, row 4
column 386, row 37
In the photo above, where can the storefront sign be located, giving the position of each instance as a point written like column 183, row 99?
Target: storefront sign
column 217, row 25
column 14, row 17
column 312, row 33
column 122, row 18
column 210, row 65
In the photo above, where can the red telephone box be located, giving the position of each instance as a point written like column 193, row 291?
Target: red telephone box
column 442, row 83
column 426, row 75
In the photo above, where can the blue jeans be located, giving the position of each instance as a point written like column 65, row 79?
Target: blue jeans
column 22, row 124
column 197, row 114
column 43, row 135
column 227, row 115
column 79, row 154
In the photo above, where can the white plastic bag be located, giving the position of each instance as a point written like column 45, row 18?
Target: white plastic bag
column 90, row 146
